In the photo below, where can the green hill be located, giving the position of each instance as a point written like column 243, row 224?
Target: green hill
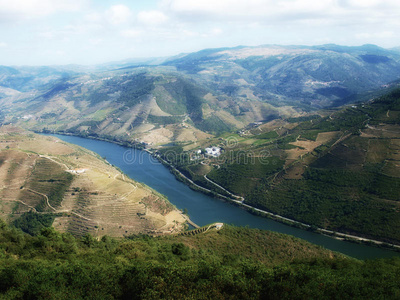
column 232, row 263
column 350, row 184
column 338, row 170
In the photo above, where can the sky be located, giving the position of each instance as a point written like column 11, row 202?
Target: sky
column 59, row 32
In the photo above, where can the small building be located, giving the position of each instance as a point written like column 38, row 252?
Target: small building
column 77, row 171
column 218, row 226
column 213, row 151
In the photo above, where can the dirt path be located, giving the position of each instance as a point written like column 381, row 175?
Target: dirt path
column 45, row 196
column 222, row 188
column 341, row 139
column 22, row 202
column 57, row 162
column 55, row 210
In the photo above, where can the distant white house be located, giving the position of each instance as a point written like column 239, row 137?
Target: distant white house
column 77, row 171
column 213, row 151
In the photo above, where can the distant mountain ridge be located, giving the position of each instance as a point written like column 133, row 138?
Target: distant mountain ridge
column 299, row 75
column 186, row 97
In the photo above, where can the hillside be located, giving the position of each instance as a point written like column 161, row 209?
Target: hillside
column 337, row 169
column 232, row 263
column 189, row 97
column 155, row 106
column 45, row 181
column 299, row 76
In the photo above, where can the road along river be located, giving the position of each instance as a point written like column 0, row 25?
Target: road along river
column 202, row 209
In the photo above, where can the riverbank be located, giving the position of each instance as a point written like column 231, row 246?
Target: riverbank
column 306, row 231
column 275, row 217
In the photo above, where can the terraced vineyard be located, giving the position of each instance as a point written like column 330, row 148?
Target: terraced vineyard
column 76, row 189
column 50, row 179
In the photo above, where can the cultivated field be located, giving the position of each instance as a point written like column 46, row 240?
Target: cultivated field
column 83, row 192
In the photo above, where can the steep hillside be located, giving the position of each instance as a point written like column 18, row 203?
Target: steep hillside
column 156, row 107
column 337, row 170
column 45, row 181
column 350, row 182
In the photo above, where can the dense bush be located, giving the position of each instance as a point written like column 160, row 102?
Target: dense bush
column 32, row 223
column 58, row 266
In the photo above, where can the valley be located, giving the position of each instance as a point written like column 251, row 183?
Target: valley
column 206, row 209
column 195, row 149
column 286, row 146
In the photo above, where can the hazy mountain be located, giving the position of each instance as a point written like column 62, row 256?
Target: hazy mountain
column 137, row 102
column 187, row 96
column 25, row 78
column 297, row 75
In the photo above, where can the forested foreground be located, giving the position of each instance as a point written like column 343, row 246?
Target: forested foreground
column 233, row 263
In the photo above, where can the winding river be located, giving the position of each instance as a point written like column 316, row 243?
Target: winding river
column 203, row 209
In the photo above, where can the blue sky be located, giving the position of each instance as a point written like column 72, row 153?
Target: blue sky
column 56, row 32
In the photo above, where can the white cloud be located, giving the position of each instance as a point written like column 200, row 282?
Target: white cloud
column 386, row 34
column 96, row 41
column 189, row 33
column 48, row 34
column 212, row 33
column 114, row 28
column 216, row 31
column 193, row 8
column 28, row 9
column 367, row 3
column 277, row 10
column 375, row 35
column 151, row 18
column 131, row 33
column 93, row 17
column 363, row 35
column 118, row 14
column 239, row 8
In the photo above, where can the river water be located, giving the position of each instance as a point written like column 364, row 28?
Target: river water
column 202, row 209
